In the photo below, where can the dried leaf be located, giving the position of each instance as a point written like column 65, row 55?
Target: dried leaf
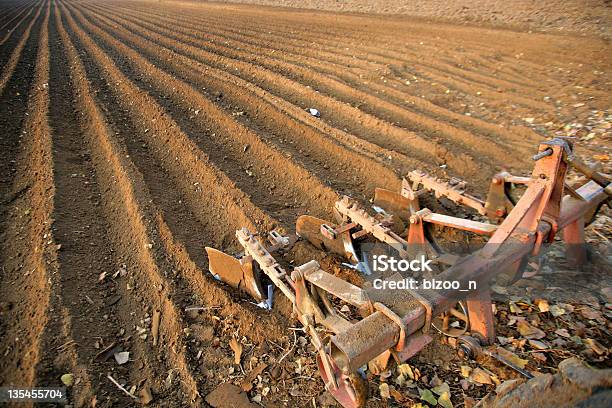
column 385, row 374
column 559, row 342
column 557, row 310
column 503, row 340
column 247, row 382
column 398, row 396
column 427, row 396
column 480, row 376
column 445, row 400
column 146, row 397
column 435, row 381
column 67, row 379
column 406, row 371
column 441, row 389
column 512, row 319
column 543, row 305
column 563, row 332
column 468, row 402
column 511, row 357
column 495, row 379
column 539, row 356
column 384, row 390
column 519, row 344
column 465, row 371
column 237, row 348
column 514, row 308
column 400, row 380
column 576, row 339
column 590, row 314
column 537, row 344
column 595, row 346
column 417, row 374
column 528, row 331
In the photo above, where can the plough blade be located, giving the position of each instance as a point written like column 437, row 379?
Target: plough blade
column 309, row 228
column 351, row 390
column 393, row 203
column 238, row 273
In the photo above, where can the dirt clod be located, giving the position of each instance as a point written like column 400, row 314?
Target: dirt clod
column 228, row 396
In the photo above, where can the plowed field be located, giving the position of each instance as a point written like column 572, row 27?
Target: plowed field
column 133, row 134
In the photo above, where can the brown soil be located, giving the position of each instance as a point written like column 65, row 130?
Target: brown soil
column 574, row 16
column 136, row 133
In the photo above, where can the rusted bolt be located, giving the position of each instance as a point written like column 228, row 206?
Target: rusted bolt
column 542, row 154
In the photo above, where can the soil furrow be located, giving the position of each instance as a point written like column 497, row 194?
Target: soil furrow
column 198, row 177
column 492, row 92
column 367, row 103
column 325, row 30
column 232, row 146
column 180, row 228
column 192, row 234
column 133, row 232
column 265, row 333
column 182, row 281
column 83, row 320
column 10, row 64
column 181, row 231
column 297, row 32
column 176, row 219
column 305, row 37
column 426, row 52
column 383, row 91
column 10, row 31
column 135, row 133
column 256, row 327
column 346, row 91
column 13, row 107
column 11, row 15
column 338, row 114
column 397, row 58
column 311, row 148
column 7, row 11
column 27, row 250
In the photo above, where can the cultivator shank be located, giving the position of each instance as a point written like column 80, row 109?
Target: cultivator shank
column 397, row 323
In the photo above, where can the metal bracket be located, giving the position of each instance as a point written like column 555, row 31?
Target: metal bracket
column 428, row 309
column 333, row 233
column 397, row 320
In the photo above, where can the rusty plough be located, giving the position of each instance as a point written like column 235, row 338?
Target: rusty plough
column 397, row 323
